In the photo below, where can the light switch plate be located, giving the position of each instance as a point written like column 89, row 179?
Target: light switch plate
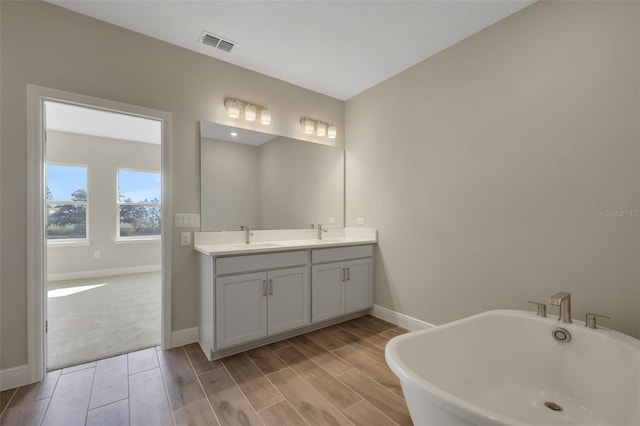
column 185, row 238
column 187, row 220
column 360, row 221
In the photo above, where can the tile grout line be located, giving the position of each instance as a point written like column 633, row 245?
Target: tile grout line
column 265, row 376
column 365, row 399
column 317, row 363
column 164, row 386
column 51, row 397
column 93, row 378
column 363, row 372
column 6, row 407
column 287, row 366
column 363, row 353
column 241, row 391
column 215, row 415
column 313, row 387
column 369, row 377
column 104, row 405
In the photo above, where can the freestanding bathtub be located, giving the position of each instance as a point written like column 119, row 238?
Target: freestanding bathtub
column 505, row 368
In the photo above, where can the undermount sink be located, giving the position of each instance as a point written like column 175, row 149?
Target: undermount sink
column 255, row 245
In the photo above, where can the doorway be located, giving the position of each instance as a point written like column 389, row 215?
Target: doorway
column 100, row 278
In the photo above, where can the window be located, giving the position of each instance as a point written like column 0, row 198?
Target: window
column 66, row 202
column 138, row 204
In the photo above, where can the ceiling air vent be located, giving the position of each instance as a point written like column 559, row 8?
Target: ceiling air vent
column 216, row 41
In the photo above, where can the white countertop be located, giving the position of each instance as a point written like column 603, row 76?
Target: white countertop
column 210, row 244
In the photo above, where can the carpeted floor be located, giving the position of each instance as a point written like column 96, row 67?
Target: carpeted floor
column 97, row 318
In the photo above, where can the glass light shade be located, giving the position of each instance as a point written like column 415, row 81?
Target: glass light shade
column 250, row 113
column 321, row 129
column 265, row 117
column 309, row 126
column 331, row 132
column 233, row 109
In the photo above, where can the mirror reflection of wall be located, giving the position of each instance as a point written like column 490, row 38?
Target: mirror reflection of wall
column 268, row 181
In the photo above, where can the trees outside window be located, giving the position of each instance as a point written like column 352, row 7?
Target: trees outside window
column 138, row 203
column 67, row 200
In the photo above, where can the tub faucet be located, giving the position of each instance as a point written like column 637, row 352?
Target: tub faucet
column 563, row 300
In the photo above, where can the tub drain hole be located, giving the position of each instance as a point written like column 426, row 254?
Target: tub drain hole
column 553, row 406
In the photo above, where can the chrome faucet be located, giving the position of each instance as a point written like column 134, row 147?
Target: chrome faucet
column 563, row 300
column 320, row 231
column 247, row 233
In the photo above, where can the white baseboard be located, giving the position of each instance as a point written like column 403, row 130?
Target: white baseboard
column 401, row 320
column 103, row 273
column 184, row 337
column 13, row 377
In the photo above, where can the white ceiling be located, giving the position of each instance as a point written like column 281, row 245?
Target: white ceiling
column 96, row 122
column 338, row 48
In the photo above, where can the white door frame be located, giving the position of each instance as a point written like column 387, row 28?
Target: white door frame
column 36, row 236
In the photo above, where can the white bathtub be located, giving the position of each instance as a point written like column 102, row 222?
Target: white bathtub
column 500, row 367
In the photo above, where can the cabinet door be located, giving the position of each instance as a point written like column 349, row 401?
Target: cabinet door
column 289, row 299
column 359, row 285
column 241, row 309
column 327, row 291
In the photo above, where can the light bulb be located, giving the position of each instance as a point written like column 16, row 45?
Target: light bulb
column 233, row 108
column 331, row 131
column 250, row 113
column 309, row 126
column 321, row 129
column 265, row 117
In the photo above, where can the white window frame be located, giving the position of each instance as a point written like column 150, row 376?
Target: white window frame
column 137, row 238
column 70, row 242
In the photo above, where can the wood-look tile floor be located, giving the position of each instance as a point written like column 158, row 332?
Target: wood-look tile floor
column 335, row 376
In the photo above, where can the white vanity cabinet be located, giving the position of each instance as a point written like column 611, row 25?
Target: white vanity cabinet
column 342, row 281
column 250, row 306
column 256, row 305
column 253, row 298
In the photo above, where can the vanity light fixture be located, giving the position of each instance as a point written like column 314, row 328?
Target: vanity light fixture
column 320, row 128
column 265, row 117
column 251, row 111
column 309, row 126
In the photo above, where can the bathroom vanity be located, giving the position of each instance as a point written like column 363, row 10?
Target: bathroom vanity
column 281, row 284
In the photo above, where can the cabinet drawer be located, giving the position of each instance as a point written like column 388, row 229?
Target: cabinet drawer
column 341, row 253
column 255, row 262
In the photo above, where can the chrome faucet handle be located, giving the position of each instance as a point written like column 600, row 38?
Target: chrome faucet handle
column 542, row 308
column 320, row 231
column 590, row 320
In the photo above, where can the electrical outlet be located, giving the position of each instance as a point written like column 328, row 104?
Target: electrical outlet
column 360, row 221
column 96, row 254
column 185, row 238
column 332, row 220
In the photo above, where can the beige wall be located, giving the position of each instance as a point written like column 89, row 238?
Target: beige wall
column 488, row 167
column 49, row 46
column 103, row 157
